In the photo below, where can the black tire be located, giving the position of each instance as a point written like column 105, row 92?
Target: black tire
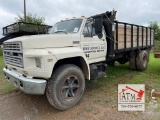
column 65, row 87
column 132, row 61
column 142, row 60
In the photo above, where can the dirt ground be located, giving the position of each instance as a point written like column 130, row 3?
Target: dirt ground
column 20, row 106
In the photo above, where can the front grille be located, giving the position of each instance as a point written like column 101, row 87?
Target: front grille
column 13, row 54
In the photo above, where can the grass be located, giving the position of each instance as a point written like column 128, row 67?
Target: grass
column 122, row 74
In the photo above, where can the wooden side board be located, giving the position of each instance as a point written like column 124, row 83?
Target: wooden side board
column 139, row 36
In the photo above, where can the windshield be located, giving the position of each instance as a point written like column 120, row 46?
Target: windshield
column 68, row 26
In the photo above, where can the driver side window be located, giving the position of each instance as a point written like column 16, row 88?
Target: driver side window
column 89, row 29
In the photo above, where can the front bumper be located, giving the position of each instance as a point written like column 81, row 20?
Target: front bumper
column 27, row 85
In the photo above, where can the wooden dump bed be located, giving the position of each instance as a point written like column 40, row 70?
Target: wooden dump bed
column 130, row 36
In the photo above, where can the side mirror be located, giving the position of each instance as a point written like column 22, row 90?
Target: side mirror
column 98, row 27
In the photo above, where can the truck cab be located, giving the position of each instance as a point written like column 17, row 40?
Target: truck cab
column 83, row 29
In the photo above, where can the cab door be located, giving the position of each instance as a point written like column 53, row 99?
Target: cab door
column 94, row 48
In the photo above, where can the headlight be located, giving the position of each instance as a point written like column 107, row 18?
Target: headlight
column 38, row 62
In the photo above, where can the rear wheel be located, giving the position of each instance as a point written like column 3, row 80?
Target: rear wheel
column 66, row 87
column 132, row 61
column 142, row 60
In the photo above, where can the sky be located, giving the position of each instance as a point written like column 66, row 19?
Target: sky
column 139, row 12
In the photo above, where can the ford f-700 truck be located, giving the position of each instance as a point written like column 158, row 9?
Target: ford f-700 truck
column 78, row 49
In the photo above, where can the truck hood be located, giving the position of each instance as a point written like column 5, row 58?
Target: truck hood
column 48, row 40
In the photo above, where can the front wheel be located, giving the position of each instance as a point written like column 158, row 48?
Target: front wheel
column 66, row 87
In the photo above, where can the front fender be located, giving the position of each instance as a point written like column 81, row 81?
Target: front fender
column 48, row 61
column 71, row 52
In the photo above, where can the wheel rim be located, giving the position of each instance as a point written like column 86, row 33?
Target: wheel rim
column 144, row 61
column 70, row 88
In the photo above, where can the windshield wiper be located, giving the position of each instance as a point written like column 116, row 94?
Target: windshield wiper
column 60, row 31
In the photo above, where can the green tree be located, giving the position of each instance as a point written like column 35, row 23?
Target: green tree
column 30, row 18
column 154, row 25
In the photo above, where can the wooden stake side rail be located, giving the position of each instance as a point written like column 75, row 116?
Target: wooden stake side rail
column 130, row 37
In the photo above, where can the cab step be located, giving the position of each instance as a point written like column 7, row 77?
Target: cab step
column 98, row 70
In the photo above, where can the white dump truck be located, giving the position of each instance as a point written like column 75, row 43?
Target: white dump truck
column 77, row 49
